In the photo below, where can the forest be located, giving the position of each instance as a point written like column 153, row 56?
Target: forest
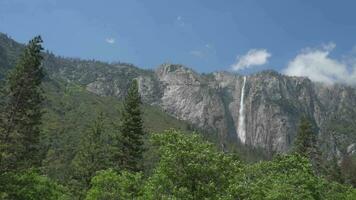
column 126, row 154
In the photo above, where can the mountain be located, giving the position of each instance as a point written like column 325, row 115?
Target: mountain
column 58, row 89
column 272, row 103
column 70, row 109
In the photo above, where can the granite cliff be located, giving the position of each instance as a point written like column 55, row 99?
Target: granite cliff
column 273, row 103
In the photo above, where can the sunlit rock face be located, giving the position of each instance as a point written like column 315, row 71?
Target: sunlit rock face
column 189, row 96
column 273, row 103
column 272, row 106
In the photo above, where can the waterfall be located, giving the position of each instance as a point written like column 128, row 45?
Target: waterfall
column 241, row 130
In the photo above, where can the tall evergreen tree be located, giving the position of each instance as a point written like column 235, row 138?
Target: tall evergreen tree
column 94, row 153
column 348, row 168
column 131, row 128
column 305, row 140
column 21, row 111
column 306, row 145
column 334, row 172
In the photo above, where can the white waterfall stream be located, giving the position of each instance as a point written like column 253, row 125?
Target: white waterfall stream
column 241, row 130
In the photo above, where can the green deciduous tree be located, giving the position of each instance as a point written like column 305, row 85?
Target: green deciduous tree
column 30, row 185
column 285, row 177
column 131, row 128
column 189, row 168
column 110, row 185
column 21, row 111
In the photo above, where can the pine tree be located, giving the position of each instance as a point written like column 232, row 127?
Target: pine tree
column 305, row 140
column 348, row 169
column 131, row 128
column 306, row 145
column 334, row 172
column 21, row 111
column 94, row 153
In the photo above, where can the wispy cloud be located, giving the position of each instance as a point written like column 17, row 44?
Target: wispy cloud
column 110, row 40
column 204, row 51
column 209, row 46
column 253, row 57
column 180, row 21
column 316, row 64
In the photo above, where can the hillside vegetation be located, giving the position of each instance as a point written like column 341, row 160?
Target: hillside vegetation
column 60, row 141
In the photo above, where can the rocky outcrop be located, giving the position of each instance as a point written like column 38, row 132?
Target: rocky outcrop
column 273, row 103
column 189, row 96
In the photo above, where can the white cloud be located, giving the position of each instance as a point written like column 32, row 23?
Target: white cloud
column 317, row 65
column 254, row 57
column 110, row 40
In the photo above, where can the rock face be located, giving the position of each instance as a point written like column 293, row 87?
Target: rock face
column 273, row 103
column 188, row 96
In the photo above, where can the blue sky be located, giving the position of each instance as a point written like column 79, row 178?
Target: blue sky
column 206, row 35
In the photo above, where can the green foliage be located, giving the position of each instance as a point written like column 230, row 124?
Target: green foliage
column 189, row 168
column 21, row 111
column 286, row 177
column 333, row 170
column 131, row 128
column 30, row 185
column 348, row 169
column 110, row 185
column 10, row 51
column 96, row 152
column 306, row 145
column 69, row 114
column 183, row 166
column 305, row 140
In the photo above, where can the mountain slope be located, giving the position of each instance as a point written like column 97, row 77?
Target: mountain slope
column 273, row 103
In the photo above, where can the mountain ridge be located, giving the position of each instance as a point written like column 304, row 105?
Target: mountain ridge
column 274, row 102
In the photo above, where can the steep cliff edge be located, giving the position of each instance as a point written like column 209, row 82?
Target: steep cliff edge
column 273, row 103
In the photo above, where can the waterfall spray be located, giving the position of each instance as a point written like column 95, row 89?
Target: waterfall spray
column 241, row 130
